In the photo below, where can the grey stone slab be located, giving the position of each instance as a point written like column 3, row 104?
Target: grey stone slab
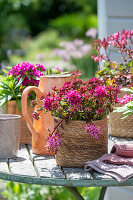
column 100, row 176
column 22, row 164
column 46, row 165
column 76, row 173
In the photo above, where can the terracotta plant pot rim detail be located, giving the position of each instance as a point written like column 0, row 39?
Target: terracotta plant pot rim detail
column 56, row 75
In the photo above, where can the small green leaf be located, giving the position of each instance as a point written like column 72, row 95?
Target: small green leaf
column 18, row 102
column 5, row 71
column 20, row 82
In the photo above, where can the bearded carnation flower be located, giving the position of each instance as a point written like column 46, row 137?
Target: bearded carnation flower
column 31, row 73
column 73, row 97
column 93, row 130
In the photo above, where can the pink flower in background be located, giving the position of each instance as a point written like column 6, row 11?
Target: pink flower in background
column 78, row 42
column 40, row 57
column 72, row 49
column 76, row 54
column 92, row 32
column 126, row 99
column 40, row 67
column 93, row 130
column 62, row 53
column 98, row 58
column 58, row 69
column 85, row 49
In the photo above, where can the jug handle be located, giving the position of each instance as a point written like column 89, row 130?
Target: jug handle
column 25, row 112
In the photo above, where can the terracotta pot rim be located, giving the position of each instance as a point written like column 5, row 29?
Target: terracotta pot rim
column 56, row 75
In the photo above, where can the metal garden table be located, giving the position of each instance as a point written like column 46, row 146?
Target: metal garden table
column 42, row 170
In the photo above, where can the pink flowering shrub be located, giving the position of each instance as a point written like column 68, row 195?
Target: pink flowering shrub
column 79, row 100
column 121, row 72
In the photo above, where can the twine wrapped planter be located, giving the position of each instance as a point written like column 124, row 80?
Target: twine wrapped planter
column 78, row 146
column 120, row 127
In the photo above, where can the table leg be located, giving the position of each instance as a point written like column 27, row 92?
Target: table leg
column 102, row 193
column 75, row 193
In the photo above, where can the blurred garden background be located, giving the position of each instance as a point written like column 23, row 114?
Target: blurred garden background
column 36, row 31
column 55, row 33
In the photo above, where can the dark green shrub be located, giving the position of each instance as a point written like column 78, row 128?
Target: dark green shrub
column 74, row 25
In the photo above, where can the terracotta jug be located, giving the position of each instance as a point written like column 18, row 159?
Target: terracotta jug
column 39, row 128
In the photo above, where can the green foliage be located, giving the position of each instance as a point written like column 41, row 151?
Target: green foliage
column 86, row 65
column 116, row 72
column 44, row 40
column 75, row 24
column 10, row 90
column 17, row 191
column 21, row 18
column 127, row 109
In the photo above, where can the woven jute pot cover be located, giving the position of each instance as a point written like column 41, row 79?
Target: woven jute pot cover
column 78, row 146
column 120, row 127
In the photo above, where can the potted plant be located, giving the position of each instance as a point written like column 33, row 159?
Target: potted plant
column 125, row 113
column 116, row 73
column 127, row 100
column 39, row 128
column 81, row 130
column 12, row 85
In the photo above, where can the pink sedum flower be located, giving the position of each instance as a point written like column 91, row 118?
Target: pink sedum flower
column 73, row 97
column 54, row 141
column 101, row 91
column 93, row 130
column 50, row 103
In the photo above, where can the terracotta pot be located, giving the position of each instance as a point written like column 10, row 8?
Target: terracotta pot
column 40, row 128
column 9, row 135
column 78, row 146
